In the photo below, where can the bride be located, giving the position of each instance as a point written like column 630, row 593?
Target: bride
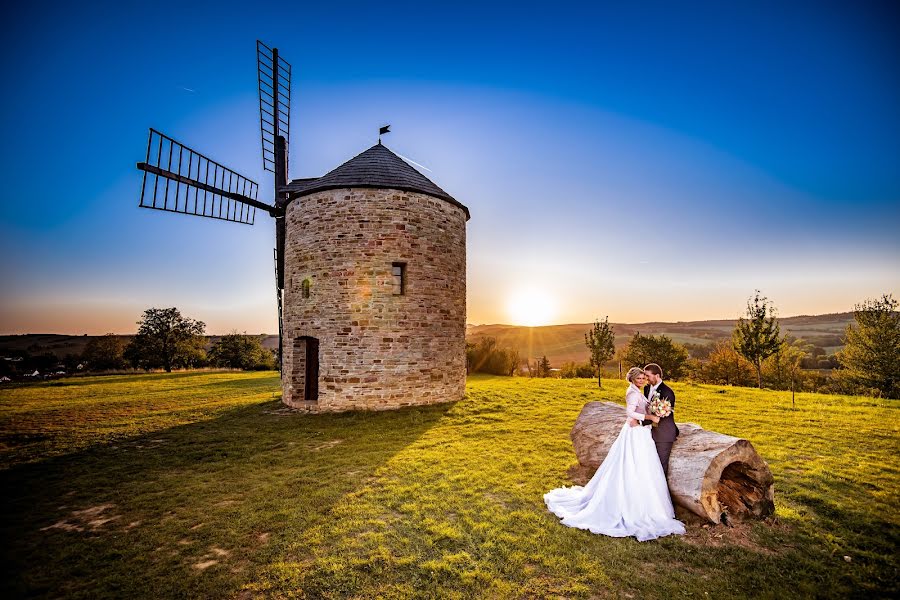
column 628, row 494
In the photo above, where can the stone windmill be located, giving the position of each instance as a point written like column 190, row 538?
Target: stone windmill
column 370, row 262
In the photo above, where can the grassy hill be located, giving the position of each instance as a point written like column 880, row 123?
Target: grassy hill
column 562, row 343
column 204, row 485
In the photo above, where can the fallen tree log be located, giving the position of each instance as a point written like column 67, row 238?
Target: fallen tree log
column 717, row 476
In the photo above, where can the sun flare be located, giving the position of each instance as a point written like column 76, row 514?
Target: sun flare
column 530, row 307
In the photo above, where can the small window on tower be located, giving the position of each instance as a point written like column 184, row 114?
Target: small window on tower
column 304, row 288
column 398, row 271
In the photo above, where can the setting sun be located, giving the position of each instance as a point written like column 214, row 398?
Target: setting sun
column 530, row 307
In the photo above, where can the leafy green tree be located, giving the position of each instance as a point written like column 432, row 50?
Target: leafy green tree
column 699, row 351
column 241, row 351
column 726, row 367
column 600, row 341
column 71, row 361
column 104, row 353
column 485, row 356
column 756, row 337
column 512, row 362
column 544, row 367
column 871, row 355
column 470, row 356
column 574, row 370
column 636, row 352
column 540, row 368
column 671, row 356
column 781, row 370
column 477, row 353
column 168, row 340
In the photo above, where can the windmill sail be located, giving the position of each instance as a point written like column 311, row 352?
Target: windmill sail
column 274, row 75
column 179, row 179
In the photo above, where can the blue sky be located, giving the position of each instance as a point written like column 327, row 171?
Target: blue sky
column 649, row 162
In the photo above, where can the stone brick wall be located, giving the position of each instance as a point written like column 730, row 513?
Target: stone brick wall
column 377, row 350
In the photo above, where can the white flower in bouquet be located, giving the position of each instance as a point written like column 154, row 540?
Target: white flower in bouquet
column 659, row 406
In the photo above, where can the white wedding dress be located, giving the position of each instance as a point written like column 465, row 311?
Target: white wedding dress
column 628, row 494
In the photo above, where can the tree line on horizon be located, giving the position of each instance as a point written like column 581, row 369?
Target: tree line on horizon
column 165, row 340
column 757, row 354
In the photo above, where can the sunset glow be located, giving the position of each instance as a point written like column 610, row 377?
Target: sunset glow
column 531, row 307
column 643, row 180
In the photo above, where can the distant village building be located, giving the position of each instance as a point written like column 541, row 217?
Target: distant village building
column 374, row 303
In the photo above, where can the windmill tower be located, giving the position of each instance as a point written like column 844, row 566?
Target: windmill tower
column 375, row 288
column 370, row 262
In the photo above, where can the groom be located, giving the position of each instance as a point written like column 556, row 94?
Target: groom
column 665, row 433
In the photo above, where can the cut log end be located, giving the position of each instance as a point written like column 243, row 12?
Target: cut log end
column 744, row 493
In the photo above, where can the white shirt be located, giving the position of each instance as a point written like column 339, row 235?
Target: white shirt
column 653, row 389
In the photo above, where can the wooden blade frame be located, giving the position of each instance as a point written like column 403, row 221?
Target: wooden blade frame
column 274, row 75
column 181, row 180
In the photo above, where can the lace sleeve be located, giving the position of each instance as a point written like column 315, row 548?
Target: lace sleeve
column 632, row 398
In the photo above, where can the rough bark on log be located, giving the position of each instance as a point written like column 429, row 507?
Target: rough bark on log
column 716, row 476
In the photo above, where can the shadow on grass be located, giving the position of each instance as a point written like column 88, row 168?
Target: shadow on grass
column 94, row 378
column 191, row 510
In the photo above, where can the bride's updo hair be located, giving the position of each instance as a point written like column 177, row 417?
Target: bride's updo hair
column 632, row 373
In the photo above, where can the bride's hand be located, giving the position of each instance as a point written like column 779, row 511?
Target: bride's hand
column 653, row 418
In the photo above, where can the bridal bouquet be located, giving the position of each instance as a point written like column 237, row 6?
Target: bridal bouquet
column 660, row 407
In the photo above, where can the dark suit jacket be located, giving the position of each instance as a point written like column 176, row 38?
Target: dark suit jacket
column 667, row 430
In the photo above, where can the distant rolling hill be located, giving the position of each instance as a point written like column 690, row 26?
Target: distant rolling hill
column 60, row 345
column 562, row 343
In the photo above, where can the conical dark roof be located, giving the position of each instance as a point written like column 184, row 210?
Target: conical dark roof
column 377, row 167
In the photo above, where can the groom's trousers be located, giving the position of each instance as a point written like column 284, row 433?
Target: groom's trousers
column 664, row 449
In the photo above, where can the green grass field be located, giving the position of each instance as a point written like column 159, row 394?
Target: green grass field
column 202, row 485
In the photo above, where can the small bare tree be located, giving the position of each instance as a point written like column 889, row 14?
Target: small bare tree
column 756, row 337
column 600, row 340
